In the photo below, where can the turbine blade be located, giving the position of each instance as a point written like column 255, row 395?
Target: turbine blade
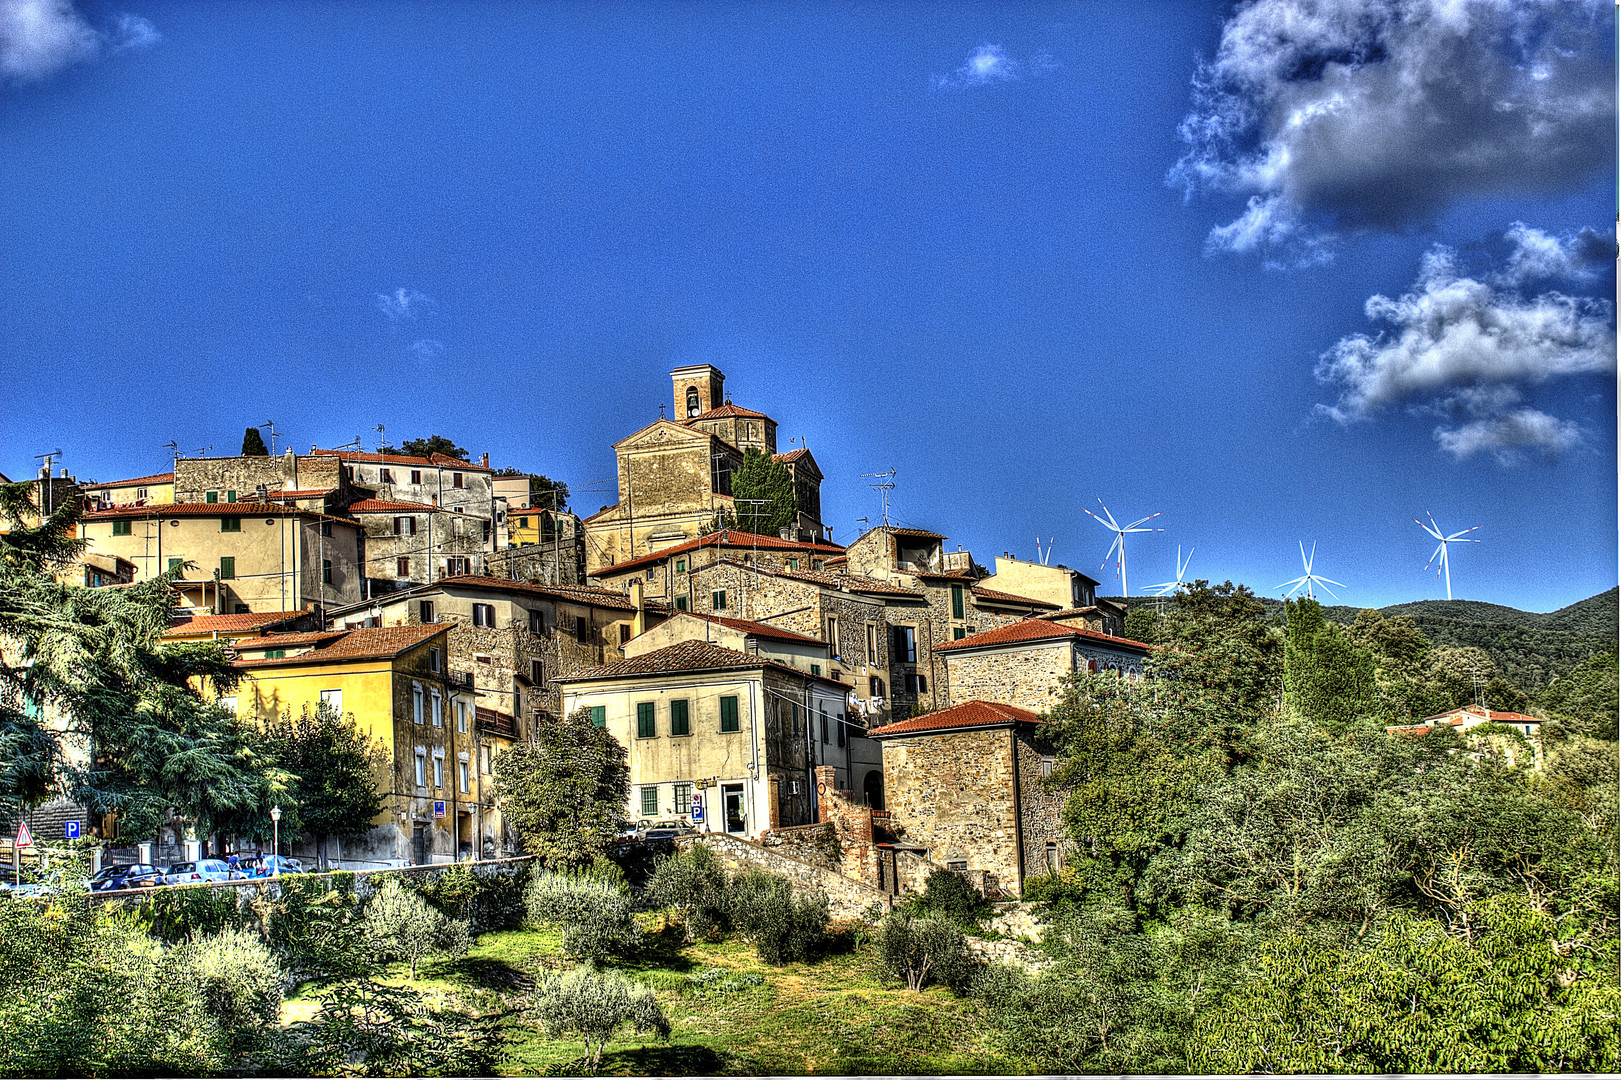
column 1139, row 521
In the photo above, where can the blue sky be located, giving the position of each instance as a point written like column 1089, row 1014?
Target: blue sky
column 1013, row 252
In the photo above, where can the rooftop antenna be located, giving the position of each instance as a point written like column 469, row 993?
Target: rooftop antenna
column 1309, row 579
column 204, row 451
column 354, row 445
column 1119, row 545
column 271, row 424
column 883, row 487
column 45, row 472
column 1445, row 569
column 379, row 430
column 1181, row 582
column 1480, row 687
column 174, row 450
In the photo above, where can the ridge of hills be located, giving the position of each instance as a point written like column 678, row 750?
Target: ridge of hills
column 1530, row 649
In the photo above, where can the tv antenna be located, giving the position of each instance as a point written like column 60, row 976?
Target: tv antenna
column 174, row 450
column 45, row 473
column 1119, row 546
column 1181, row 582
column 884, row 486
column 1445, row 569
column 271, row 424
column 379, row 430
column 204, row 451
column 1309, row 579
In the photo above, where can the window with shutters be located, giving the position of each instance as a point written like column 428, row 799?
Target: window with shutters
column 385, row 476
column 230, row 496
column 717, row 600
column 402, row 568
column 646, row 725
column 326, row 571
column 537, row 622
column 876, row 686
column 176, row 564
column 433, row 660
column 484, row 760
column 455, row 567
column 681, row 566
column 405, row 526
column 680, row 720
column 624, row 633
column 681, row 603
column 793, row 564
column 121, row 528
column 212, row 496
column 824, row 726
column 456, row 480
column 650, row 801
column 483, row 614
column 599, row 715
column 838, row 730
column 230, row 524
column 438, row 710
column 816, row 669
column 461, row 775
column 728, row 714
column 956, row 602
column 537, row 672
column 833, row 636
column 425, row 610
column 416, row 703
column 422, row 768
column 958, row 633
column 416, row 476
column 438, row 770
column 905, row 645
column 872, row 643
column 227, row 567
column 461, row 716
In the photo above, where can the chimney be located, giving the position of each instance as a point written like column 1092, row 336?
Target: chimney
column 638, row 621
column 484, row 460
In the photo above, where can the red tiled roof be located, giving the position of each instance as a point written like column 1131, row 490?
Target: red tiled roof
column 970, row 714
column 1034, row 630
column 202, row 509
column 294, row 639
column 365, row 643
column 226, row 624
column 982, row 593
column 404, row 459
column 1456, row 716
column 301, row 493
column 579, row 594
column 758, row 629
column 732, row 538
column 924, row 534
column 951, row 575
column 792, row 455
column 722, row 411
column 390, row 506
column 846, row 582
column 155, row 478
column 686, row 656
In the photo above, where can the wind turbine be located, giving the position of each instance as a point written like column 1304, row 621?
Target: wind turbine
column 1169, row 587
column 1119, row 545
column 1435, row 530
column 1309, row 579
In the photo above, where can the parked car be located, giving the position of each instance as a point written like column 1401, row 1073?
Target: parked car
column 267, row 866
column 102, row 879
column 200, row 870
column 23, row 891
column 668, row 830
column 138, row 876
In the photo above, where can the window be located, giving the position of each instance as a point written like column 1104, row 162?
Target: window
column 963, row 865
column 793, row 564
column 876, row 685
column 326, row 528
column 956, row 602
column 833, row 637
column 683, row 798
column 582, row 629
column 599, row 715
column 680, row 722
column 326, row 571
column 1052, row 857
column 402, row 568
column 230, row 496
column 717, row 600
column 816, row 564
column 455, row 479
column 461, row 775
column 422, row 768
column 905, row 645
column 275, row 654
column 227, row 568
column 456, row 566
column 240, row 609
column 230, row 524
column 438, row 771
column 121, row 528
column 872, row 643
column 228, row 703
column 650, row 801
column 416, row 703
column 838, row 729
column 416, row 476
column 438, row 710
column 681, row 603
column 816, row 669
column 917, row 684
column 333, row 699
column 405, row 526
column 461, row 718
column 425, row 607
column 624, row 633
column 483, row 614
column 212, row 496
column 958, row 633
column 646, row 726
column 385, row 476
column 824, row 725
column 652, row 573
column 681, row 566
column 537, row 622
column 537, row 672
column 140, row 494
column 1047, row 766
column 728, row 714
column 485, row 660
column 484, row 760
column 176, row 565
column 433, row 660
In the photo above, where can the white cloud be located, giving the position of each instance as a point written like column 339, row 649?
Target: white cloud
column 40, row 37
column 1336, row 115
column 402, row 304
column 990, row 64
column 427, row 349
column 1538, row 255
column 1467, row 347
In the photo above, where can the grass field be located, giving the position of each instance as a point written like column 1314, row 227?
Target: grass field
column 833, row 1016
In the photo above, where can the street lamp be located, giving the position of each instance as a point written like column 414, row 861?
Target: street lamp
column 275, row 827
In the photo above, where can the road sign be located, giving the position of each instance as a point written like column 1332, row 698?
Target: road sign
column 697, row 808
column 439, row 808
column 71, row 830
column 24, row 837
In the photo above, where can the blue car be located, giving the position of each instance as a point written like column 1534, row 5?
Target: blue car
column 270, row 864
column 200, row 870
column 138, row 876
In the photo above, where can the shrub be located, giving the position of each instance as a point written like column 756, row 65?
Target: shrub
column 1054, row 890
column 594, row 1005
column 403, row 927
column 315, row 931
column 595, row 914
column 782, row 926
column 694, row 885
column 366, row 1028
column 483, row 902
column 924, row 950
column 239, row 982
column 174, row 915
column 722, row 981
column 949, row 896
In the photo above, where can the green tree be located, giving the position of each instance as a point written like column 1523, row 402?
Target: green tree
column 918, row 951
column 1584, row 701
column 334, row 768
column 543, row 491
column 402, row 926
column 759, row 477
column 594, row 1006
column 693, row 883
column 1327, row 679
column 782, row 925
column 433, row 444
column 595, row 914
column 368, row 1028
column 565, row 792
column 253, row 444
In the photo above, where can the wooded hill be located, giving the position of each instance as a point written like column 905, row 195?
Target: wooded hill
column 1530, row 649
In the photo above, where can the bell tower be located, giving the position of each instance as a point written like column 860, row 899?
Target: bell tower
column 697, row 390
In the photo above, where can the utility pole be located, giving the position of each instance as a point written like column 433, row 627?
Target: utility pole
column 45, row 499
column 271, row 424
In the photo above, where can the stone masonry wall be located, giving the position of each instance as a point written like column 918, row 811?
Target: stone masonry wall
column 846, row 897
column 852, row 824
column 194, row 478
column 1040, row 812
column 1026, row 678
column 953, row 794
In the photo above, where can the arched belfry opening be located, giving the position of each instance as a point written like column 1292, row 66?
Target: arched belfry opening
column 698, row 388
column 693, row 409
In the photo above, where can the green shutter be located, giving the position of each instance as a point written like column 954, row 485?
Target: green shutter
column 176, row 564
column 227, row 567
column 679, row 723
column 681, row 603
column 599, row 715
column 213, row 497
column 717, row 600
column 230, row 496
column 121, row 528
column 956, row 601
column 646, row 725
column 958, row 633
column 728, row 714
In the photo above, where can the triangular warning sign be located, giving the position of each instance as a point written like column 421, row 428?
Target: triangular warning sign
column 24, row 837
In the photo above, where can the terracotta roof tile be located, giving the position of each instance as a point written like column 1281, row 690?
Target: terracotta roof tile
column 225, row 624
column 792, row 455
column 758, row 629
column 444, row 460
column 722, row 411
column 155, row 478
column 970, row 714
column 207, row 509
column 391, row 506
column 579, row 594
column 922, row 534
column 301, row 493
column 1456, row 716
column 847, row 582
column 365, row 643
column 683, row 656
column 992, row 595
column 1034, row 630
column 726, row 538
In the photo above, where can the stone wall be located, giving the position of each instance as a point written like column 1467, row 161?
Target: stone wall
column 1041, row 812
column 194, row 478
column 852, row 824
column 953, row 794
column 846, row 897
column 1026, row 678
column 440, row 534
column 815, row 844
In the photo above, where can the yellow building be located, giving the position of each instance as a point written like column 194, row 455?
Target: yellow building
column 136, row 491
column 395, row 682
column 248, row 557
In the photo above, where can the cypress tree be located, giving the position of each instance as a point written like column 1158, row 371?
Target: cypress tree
column 253, row 444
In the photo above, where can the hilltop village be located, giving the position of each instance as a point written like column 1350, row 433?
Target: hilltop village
column 763, row 682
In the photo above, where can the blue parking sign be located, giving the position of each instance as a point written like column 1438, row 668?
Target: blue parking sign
column 72, row 829
column 697, row 808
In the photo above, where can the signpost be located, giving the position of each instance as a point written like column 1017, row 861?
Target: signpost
column 697, row 809
column 71, row 830
column 24, row 839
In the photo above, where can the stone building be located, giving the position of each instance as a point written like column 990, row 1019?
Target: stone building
column 395, row 682
column 711, row 730
column 543, row 543
column 675, row 475
column 666, row 574
column 1022, row 664
column 246, row 556
column 965, row 785
column 412, row 543
column 509, row 639
column 1070, row 591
